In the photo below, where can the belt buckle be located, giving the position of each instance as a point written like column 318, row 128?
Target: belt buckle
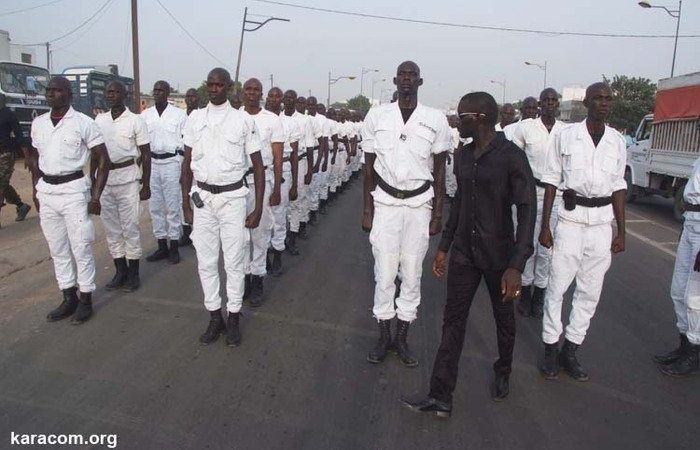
column 400, row 195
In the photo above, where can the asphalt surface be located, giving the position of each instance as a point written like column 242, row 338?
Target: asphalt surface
column 300, row 378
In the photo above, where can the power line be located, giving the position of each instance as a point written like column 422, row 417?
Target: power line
column 182, row 27
column 85, row 31
column 477, row 27
column 17, row 11
column 85, row 22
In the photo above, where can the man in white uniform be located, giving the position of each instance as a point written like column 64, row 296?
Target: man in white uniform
column 533, row 136
column 528, row 111
column 405, row 144
column 507, row 116
column 320, row 130
column 299, row 209
column 333, row 145
column 271, row 135
column 325, row 169
column 165, row 123
column 63, row 140
column 587, row 161
column 219, row 141
column 450, row 178
column 685, row 287
column 126, row 139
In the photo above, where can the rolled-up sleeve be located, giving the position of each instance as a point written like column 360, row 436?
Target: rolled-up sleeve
column 367, row 131
column 552, row 168
column 619, row 184
column 522, row 185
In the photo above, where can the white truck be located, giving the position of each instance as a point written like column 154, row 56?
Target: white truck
column 667, row 143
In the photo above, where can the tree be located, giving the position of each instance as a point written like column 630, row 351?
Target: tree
column 633, row 98
column 359, row 103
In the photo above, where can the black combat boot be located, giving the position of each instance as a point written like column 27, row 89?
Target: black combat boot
column 550, row 366
column 276, row 267
column 246, row 286
column 120, row 276
column 312, row 218
column 84, row 310
column 291, row 243
column 379, row 352
column 401, row 346
column 268, row 260
column 302, row 231
column 525, row 305
column 174, row 252
column 322, row 207
column 22, row 211
column 430, row 405
column 160, row 253
column 67, row 306
column 216, row 327
column 256, row 291
column 568, row 361
column 133, row 280
column 686, row 364
column 673, row 355
column 501, row 387
column 185, row 238
column 537, row 310
column 233, row 331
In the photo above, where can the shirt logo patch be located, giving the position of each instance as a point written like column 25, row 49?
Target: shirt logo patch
column 423, row 124
column 402, row 137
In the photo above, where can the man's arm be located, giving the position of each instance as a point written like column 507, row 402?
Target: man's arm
column 186, row 185
column 253, row 219
column 369, row 183
column 99, row 153
column 618, row 203
column 294, row 162
column 440, row 261
column 545, row 238
column 145, row 151
column 439, row 192
column 277, row 156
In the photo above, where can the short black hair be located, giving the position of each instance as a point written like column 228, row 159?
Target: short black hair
column 225, row 74
column 485, row 103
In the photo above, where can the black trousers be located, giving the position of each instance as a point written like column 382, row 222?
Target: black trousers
column 463, row 279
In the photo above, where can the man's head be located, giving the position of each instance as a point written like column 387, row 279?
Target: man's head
column 407, row 79
column 598, row 101
column 161, row 91
column 331, row 113
column 301, row 105
column 116, row 94
column 235, row 100
column 252, row 92
column 549, row 102
column 344, row 114
column 321, row 109
column 218, row 85
column 476, row 110
column 507, row 114
column 58, row 92
column 528, row 110
column 289, row 99
column 274, row 99
column 311, row 105
column 192, row 98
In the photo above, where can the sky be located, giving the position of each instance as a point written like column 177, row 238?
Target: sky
column 299, row 54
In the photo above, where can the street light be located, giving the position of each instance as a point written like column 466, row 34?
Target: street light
column 362, row 77
column 542, row 67
column 332, row 80
column 244, row 29
column 503, row 85
column 676, row 14
column 373, row 83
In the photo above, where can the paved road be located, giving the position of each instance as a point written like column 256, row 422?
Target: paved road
column 300, row 379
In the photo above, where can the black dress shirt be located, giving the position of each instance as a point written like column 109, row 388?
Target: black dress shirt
column 9, row 125
column 480, row 226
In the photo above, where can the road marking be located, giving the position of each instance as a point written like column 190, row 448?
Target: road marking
column 647, row 220
column 653, row 243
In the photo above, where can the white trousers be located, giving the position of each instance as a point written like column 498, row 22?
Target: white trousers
column 314, row 191
column 580, row 252
column 220, row 225
column 333, row 180
column 280, row 212
column 260, row 237
column 685, row 285
column 346, row 168
column 69, row 231
column 537, row 266
column 399, row 237
column 166, row 200
column 323, row 184
column 298, row 209
column 450, row 178
column 120, row 218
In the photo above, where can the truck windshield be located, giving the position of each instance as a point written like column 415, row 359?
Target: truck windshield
column 21, row 79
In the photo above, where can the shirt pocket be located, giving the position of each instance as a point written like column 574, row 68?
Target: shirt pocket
column 384, row 136
column 71, row 145
column 232, row 151
column 572, row 159
column 422, row 141
column 126, row 141
column 609, row 164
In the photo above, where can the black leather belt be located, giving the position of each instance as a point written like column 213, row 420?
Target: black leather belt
column 398, row 193
column 163, row 155
column 302, row 155
column 180, row 152
column 312, row 148
column 286, row 159
column 61, row 179
column 691, row 207
column 572, row 199
column 121, row 165
column 218, row 189
column 540, row 184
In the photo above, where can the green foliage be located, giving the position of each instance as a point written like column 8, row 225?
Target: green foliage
column 633, row 98
column 359, row 103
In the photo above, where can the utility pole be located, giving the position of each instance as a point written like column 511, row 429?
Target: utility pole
column 135, row 54
column 48, row 57
column 272, row 81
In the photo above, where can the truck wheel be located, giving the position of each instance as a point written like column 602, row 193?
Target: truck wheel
column 631, row 189
column 678, row 208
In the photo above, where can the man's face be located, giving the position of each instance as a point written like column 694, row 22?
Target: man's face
column 599, row 102
column 311, row 106
column 549, row 103
column 160, row 92
column 289, row 100
column 301, row 105
column 192, row 99
column 331, row 114
column 469, row 117
column 236, row 101
column 57, row 94
column 274, row 99
column 407, row 79
column 321, row 109
column 252, row 93
column 115, row 95
column 529, row 109
column 217, row 88
column 507, row 115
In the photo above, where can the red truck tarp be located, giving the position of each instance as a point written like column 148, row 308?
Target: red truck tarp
column 677, row 103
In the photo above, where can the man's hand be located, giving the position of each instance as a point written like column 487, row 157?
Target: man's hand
column 440, row 264
column 253, row 219
column 94, row 207
column 187, row 213
column 333, row 160
column 545, row 238
column 275, row 197
column 347, row 160
column 145, row 192
column 293, row 193
column 618, row 244
column 367, row 219
column 435, row 225
column 307, row 178
column 696, row 267
column 510, row 284
column 36, row 202
column 324, row 167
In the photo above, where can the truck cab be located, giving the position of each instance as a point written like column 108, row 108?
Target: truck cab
column 637, row 172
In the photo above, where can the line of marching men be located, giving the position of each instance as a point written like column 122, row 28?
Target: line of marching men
column 242, row 179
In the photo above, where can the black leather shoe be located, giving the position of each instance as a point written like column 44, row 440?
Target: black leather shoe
column 67, row 306
column 684, row 366
column 84, row 310
column 174, row 252
column 256, row 291
column 276, row 265
column 501, row 387
column 400, row 345
column 525, row 305
column 215, row 328
column 430, row 405
column 673, row 355
column 568, row 362
column 550, row 366
column 291, row 243
column 185, row 238
column 312, row 218
column 161, row 253
column 133, row 280
column 120, row 276
column 537, row 310
column 302, row 231
column 380, row 351
column 322, row 207
column 233, row 331
column 22, row 211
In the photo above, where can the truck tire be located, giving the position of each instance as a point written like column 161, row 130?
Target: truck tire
column 678, row 208
column 631, row 194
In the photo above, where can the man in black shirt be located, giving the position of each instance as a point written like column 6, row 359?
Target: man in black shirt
column 10, row 138
column 492, row 174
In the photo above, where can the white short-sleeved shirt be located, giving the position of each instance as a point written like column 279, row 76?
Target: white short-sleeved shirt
column 691, row 194
column 454, row 142
column 122, row 137
column 64, row 149
column 221, row 139
column 292, row 133
column 321, row 129
column 404, row 152
column 316, row 128
column 307, row 131
column 165, row 131
column 270, row 130
column 533, row 138
column 510, row 129
column 573, row 162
